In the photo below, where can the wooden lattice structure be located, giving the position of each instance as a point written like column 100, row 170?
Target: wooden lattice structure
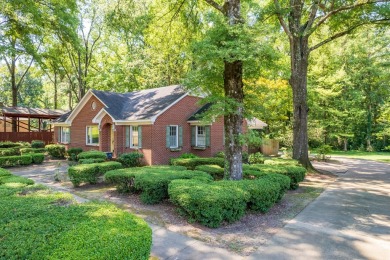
column 27, row 124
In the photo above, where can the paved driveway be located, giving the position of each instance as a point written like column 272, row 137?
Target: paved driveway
column 350, row 220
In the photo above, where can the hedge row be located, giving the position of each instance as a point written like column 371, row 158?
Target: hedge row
column 9, row 151
column 213, row 203
column 90, row 172
column 48, row 225
column 152, row 182
column 8, row 161
column 89, row 161
column 92, row 155
column 295, row 173
column 191, row 163
column 24, row 151
column 214, row 170
column 280, row 161
column 56, row 150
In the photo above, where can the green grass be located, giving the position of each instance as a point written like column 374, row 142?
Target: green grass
column 375, row 156
column 37, row 223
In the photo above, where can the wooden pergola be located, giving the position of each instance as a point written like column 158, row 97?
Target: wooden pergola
column 17, row 124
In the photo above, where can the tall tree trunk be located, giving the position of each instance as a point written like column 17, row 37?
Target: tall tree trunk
column 299, row 56
column 233, row 121
column 14, row 88
column 234, row 93
column 55, row 91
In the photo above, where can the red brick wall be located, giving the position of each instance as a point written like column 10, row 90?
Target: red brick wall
column 178, row 114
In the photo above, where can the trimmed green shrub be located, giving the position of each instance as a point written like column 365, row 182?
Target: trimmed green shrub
column 8, row 151
column 214, row 170
column 89, row 161
column 24, row 151
column 281, row 161
column 191, row 163
column 4, row 172
column 7, row 161
column 282, row 180
column 220, row 154
column 49, row 225
column 133, row 159
column 72, row 153
column 295, row 173
column 187, row 156
column 152, row 182
column 37, row 158
column 92, row 155
column 56, row 150
column 9, row 144
column 210, row 204
column 90, row 172
column 263, row 193
column 37, row 144
column 256, row 158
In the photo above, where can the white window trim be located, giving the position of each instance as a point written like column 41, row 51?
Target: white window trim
column 196, row 136
column 62, row 135
column 131, row 137
column 177, row 136
column 86, row 136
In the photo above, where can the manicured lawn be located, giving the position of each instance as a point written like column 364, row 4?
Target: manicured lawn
column 37, row 223
column 375, row 156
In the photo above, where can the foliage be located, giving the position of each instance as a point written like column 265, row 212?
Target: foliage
column 152, row 182
column 37, row 158
column 9, row 144
column 73, row 152
column 90, row 172
column 214, row 170
column 187, row 156
column 295, row 173
column 220, row 154
column 210, row 204
column 7, row 177
column 213, row 203
column 24, row 151
column 8, row 161
column 133, row 159
column 89, row 161
column 9, row 151
column 256, row 158
column 56, row 227
column 191, row 163
column 56, row 150
column 281, row 161
column 37, row 144
column 323, row 151
column 92, row 155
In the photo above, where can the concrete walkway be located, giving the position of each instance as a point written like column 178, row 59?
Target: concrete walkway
column 350, row 220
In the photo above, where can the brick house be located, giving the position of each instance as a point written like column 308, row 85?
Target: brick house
column 161, row 123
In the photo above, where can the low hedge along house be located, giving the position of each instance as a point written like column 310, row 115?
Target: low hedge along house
column 161, row 123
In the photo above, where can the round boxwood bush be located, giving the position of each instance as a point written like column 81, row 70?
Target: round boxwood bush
column 37, row 144
column 214, row 170
column 92, row 155
column 56, row 151
column 133, row 159
column 73, row 152
column 37, row 158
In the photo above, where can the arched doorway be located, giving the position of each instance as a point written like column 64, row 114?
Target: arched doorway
column 107, row 138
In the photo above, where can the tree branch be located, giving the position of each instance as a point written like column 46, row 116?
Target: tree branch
column 216, row 5
column 344, row 8
column 281, row 20
column 312, row 16
column 335, row 36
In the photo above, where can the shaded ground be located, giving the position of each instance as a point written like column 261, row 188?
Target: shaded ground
column 350, row 220
column 242, row 237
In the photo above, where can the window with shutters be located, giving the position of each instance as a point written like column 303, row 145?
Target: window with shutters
column 173, row 136
column 133, row 136
column 64, row 135
column 200, row 136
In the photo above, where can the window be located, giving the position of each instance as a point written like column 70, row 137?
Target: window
column 173, row 136
column 92, row 135
column 133, row 136
column 64, row 135
column 200, row 136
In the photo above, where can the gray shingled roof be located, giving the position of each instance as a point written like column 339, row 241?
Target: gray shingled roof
column 31, row 112
column 138, row 105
